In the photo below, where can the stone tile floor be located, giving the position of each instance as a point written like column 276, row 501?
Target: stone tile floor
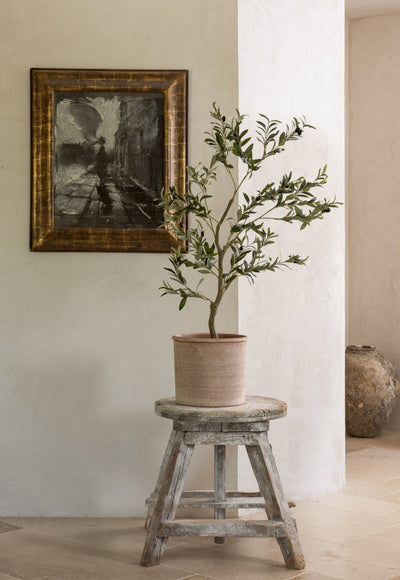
column 350, row 535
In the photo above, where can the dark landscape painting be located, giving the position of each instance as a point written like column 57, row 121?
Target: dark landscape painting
column 108, row 159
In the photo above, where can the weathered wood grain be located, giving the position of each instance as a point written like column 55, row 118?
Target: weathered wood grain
column 161, row 475
column 224, row 427
column 203, row 438
column 276, row 505
column 205, row 499
column 245, row 425
column 210, row 494
column 168, row 499
column 230, row 493
column 224, row 528
column 219, row 485
column 253, row 410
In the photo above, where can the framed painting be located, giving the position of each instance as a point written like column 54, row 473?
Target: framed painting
column 104, row 145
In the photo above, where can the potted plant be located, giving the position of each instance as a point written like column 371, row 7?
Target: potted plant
column 210, row 368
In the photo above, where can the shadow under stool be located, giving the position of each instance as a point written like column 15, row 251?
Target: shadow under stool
column 247, row 425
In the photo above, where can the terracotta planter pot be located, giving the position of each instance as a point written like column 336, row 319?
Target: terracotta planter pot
column 210, row 372
column 371, row 391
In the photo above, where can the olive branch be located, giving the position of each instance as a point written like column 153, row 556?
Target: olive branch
column 233, row 244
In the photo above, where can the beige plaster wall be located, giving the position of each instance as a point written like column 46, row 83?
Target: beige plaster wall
column 85, row 339
column 85, row 344
column 295, row 318
column 374, row 177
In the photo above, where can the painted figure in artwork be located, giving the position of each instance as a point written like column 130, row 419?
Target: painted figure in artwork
column 101, row 169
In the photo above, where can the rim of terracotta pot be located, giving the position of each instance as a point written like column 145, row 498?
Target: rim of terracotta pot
column 360, row 348
column 205, row 337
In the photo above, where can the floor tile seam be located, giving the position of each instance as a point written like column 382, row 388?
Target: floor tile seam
column 344, row 542
column 129, row 560
column 72, row 541
column 60, row 536
column 199, row 574
column 189, row 573
column 314, row 539
column 385, row 501
column 369, row 492
column 354, row 451
column 332, row 545
column 357, row 513
column 387, row 472
column 315, row 569
column 350, row 494
column 394, row 492
column 40, row 532
column 353, row 471
column 187, row 576
column 298, row 574
column 350, row 542
column 373, row 442
column 397, row 493
column 363, row 450
column 353, row 491
column 311, row 503
column 386, row 529
column 360, row 460
column 169, row 548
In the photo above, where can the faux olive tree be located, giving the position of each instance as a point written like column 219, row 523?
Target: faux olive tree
column 233, row 244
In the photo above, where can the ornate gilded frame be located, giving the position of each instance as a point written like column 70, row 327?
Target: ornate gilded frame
column 45, row 83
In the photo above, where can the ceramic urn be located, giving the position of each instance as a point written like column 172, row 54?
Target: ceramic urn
column 371, row 391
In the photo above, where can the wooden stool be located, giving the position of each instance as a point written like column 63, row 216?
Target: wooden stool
column 246, row 425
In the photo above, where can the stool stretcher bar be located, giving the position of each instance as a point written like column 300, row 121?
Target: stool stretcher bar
column 228, row 527
column 205, row 499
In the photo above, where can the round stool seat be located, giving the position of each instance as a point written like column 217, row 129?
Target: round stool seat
column 254, row 409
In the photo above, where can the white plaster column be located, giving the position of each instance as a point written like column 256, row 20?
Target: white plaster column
column 291, row 63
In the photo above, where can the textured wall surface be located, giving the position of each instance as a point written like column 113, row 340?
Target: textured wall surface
column 374, row 177
column 291, row 62
column 85, row 342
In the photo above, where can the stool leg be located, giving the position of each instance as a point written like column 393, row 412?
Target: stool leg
column 219, row 484
column 161, row 474
column 276, row 505
column 168, row 498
